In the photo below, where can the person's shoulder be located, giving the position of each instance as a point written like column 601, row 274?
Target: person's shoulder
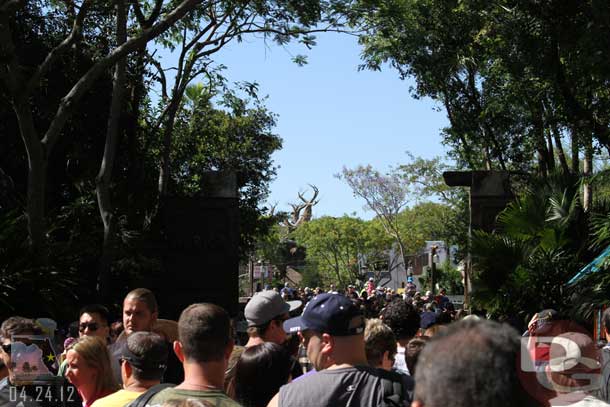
column 388, row 375
column 118, row 398
column 217, row 397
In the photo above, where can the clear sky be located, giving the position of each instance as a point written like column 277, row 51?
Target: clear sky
column 332, row 115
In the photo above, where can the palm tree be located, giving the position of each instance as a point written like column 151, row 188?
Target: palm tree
column 541, row 241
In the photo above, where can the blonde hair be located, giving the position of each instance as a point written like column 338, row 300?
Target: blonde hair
column 94, row 353
column 378, row 338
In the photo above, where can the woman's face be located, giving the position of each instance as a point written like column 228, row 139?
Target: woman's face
column 78, row 372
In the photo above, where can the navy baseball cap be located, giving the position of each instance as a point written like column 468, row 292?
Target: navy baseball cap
column 328, row 313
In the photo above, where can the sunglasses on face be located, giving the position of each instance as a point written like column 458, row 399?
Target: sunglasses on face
column 7, row 349
column 93, row 326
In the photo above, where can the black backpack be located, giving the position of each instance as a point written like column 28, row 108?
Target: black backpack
column 394, row 393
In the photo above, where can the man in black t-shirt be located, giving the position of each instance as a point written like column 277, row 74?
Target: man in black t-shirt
column 332, row 330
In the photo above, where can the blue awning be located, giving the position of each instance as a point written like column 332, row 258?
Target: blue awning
column 592, row 267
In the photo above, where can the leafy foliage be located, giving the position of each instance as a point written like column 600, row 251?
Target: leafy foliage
column 339, row 249
column 541, row 242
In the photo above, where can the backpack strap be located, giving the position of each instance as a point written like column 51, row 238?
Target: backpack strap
column 144, row 398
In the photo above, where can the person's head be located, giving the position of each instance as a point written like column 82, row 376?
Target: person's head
column 253, row 389
column 471, row 364
column 204, row 335
column 265, row 314
column 115, row 330
column 93, row 321
column 412, row 351
column 331, row 329
column 15, row 326
column 379, row 344
column 145, row 359
column 88, row 367
column 573, row 364
column 140, row 311
column 402, row 318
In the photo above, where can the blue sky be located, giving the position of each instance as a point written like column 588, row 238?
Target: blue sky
column 332, row 115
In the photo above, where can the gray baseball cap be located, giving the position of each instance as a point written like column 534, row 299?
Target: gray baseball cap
column 266, row 305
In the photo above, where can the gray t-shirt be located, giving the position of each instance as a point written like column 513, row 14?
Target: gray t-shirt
column 360, row 386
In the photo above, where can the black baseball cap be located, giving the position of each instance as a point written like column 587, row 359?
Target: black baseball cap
column 328, row 313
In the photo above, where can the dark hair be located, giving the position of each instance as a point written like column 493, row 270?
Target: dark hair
column 18, row 326
column 205, row 332
column 443, row 318
column 471, row 363
column 412, row 351
column 98, row 309
column 73, row 329
column 146, row 296
column 116, row 328
column 259, row 330
column 151, row 352
column 253, row 389
column 402, row 318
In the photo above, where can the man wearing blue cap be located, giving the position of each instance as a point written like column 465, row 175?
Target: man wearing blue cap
column 331, row 328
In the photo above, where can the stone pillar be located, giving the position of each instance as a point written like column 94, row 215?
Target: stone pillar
column 489, row 194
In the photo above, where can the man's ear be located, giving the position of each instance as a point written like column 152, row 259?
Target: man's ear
column 126, row 369
column 178, row 351
column 328, row 343
column 153, row 319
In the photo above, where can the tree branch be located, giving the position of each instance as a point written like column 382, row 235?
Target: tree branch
column 138, row 12
column 86, row 81
column 162, row 78
column 52, row 56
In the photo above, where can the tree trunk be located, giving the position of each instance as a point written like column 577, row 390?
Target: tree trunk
column 541, row 147
column 575, row 147
column 587, row 172
column 487, row 159
column 560, row 153
column 104, row 176
column 403, row 256
column 39, row 151
column 550, row 152
column 165, row 168
column 135, row 175
column 37, row 179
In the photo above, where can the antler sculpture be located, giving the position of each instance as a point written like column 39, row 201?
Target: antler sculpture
column 296, row 218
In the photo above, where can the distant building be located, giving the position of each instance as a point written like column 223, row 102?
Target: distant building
column 418, row 264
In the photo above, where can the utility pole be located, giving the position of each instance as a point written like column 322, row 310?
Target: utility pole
column 433, row 269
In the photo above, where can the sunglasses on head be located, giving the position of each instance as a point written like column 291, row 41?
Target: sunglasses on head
column 93, row 326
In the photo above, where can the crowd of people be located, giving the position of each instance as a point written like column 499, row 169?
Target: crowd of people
column 307, row 347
